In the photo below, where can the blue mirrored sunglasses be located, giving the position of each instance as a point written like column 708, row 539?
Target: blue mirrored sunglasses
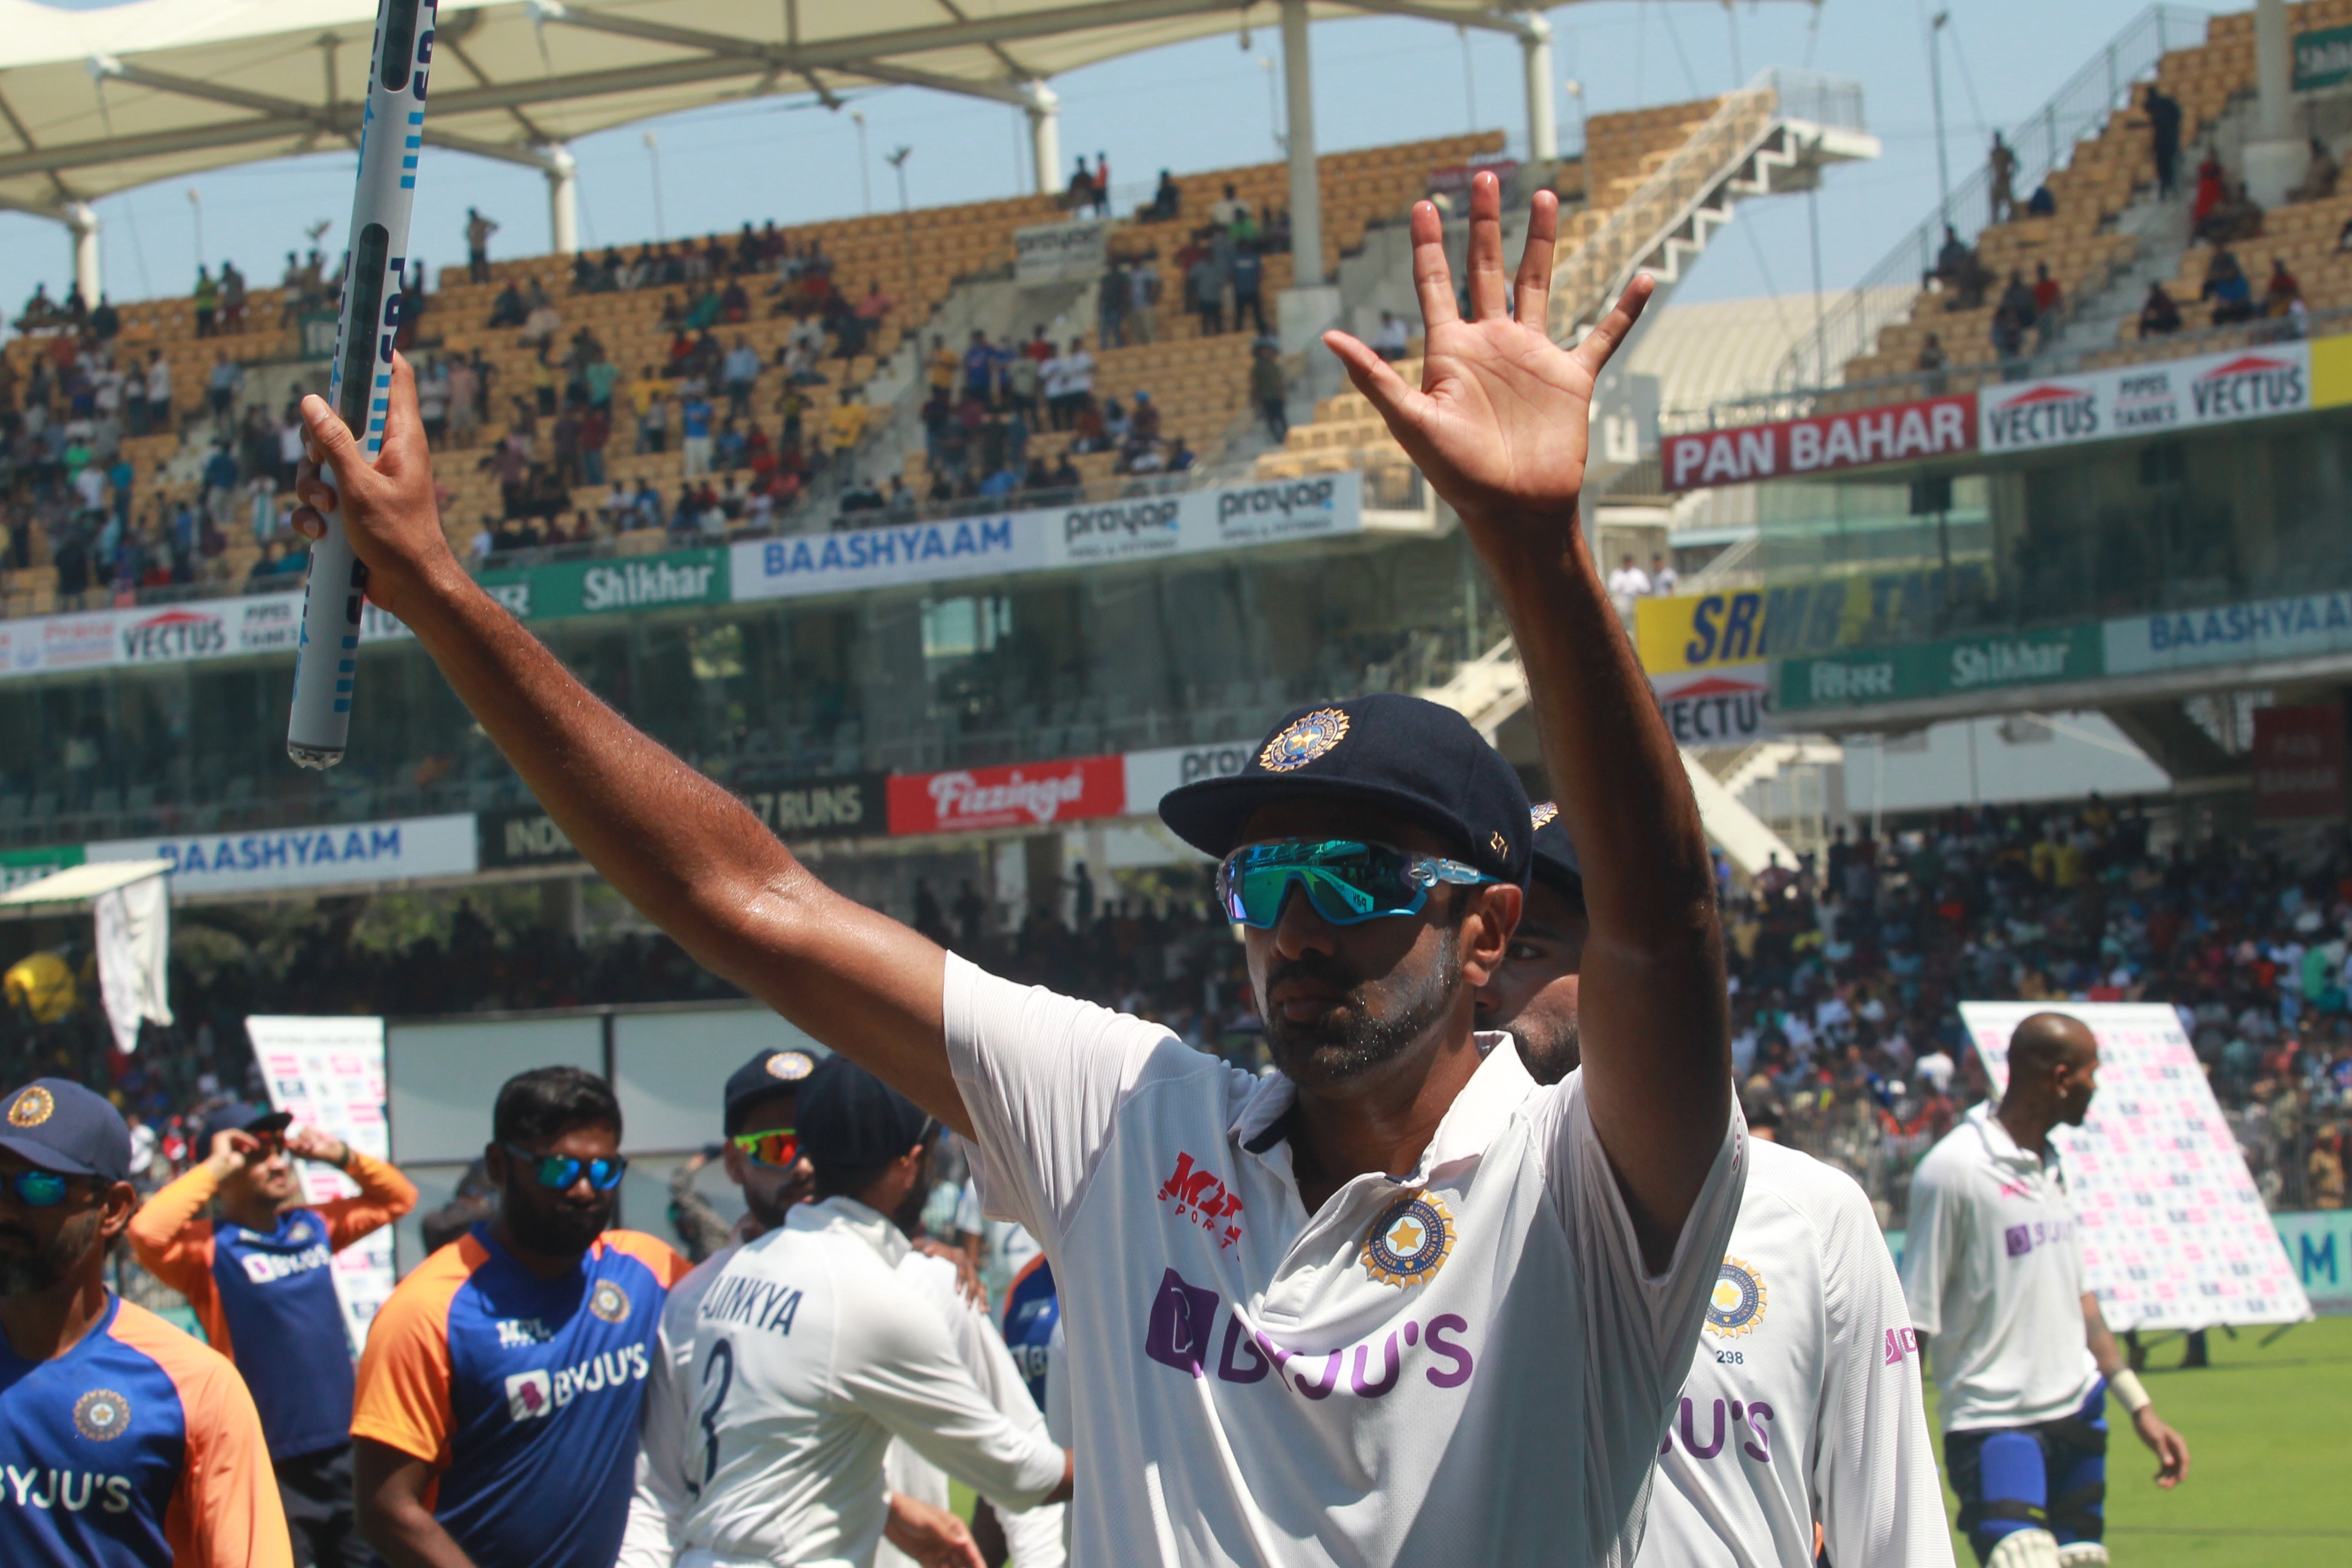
column 1347, row 880
column 558, row 1171
column 39, row 1189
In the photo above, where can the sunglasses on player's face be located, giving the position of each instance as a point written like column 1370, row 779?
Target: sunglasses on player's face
column 779, row 1146
column 1347, row 880
column 559, row 1171
column 39, row 1189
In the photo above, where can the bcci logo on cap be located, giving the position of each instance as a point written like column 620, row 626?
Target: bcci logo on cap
column 790, row 1066
column 32, row 1107
column 1304, row 740
column 102, row 1414
column 1737, row 1303
column 1539, row 817
column 609, row 1302
column 1410, row 1240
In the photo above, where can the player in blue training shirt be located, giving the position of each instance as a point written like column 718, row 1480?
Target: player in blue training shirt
column 1032, row 1308
column 262, row 1281
column 125, row 1444
column 496, row 1419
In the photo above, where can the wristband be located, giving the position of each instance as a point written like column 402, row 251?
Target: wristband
column 2125, row 1386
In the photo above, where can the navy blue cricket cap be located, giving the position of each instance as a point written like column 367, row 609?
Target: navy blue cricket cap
column 1556, row 866
column 239, row 1117
column 60, row 1126
column 1409, row 755
column 852, row 1121
column 765, row 1076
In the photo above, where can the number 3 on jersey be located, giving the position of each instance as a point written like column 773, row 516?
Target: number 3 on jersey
column 722, row 1366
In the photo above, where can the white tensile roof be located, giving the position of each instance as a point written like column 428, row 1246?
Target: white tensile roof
column 93, row 101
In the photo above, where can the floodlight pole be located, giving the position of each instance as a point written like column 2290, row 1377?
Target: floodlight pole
column 563, row 173
column 1306, row 190
column 1543, row 121
column 81, row 222
column 653, row 155
column 1935, row 96
column 864, row 163
column 1043, row 107
column 906, row 216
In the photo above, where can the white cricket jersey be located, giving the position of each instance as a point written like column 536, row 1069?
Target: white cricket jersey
column 1803, row 1402
column 763, row 1442
column 1994, row 1269
column 1034, row 1534
column 1462, row 1364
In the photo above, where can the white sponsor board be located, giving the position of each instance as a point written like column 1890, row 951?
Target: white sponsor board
column 2145, row 399
column 2299, row 628
column 2174, row 1234
column 329, row 1072
column 161, row 635
column 1722, row 705
column 1151, row 774
column 1074, row 250
column 1138, row 529
column 346, row 854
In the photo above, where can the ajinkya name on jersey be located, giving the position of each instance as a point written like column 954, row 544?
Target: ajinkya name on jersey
column 542, row 1391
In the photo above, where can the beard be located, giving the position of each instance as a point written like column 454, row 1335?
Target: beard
column 1367, row 1026
column 38, row 1269
column 1550, row 1044
column 558, row 1229
column 769, row 1204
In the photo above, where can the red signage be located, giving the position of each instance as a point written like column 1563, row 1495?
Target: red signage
column 1026, row 795
column 1860, row 437
column 2298, row 760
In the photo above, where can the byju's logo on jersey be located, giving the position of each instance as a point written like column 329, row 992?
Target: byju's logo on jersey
column 1737, row 1304
column 530, row 1396
column 101, row 1415
column 1408, row 1241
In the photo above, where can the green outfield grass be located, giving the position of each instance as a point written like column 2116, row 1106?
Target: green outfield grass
column 2269, row 1451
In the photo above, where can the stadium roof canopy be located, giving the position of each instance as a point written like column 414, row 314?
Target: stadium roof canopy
column 97, row 100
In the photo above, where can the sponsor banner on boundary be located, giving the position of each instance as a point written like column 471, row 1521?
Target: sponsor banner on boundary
column 2298, row 763
column 628, row 582
column 1151, row 774
column 2173, row 1234
column 1699, row 631
column 18, row 867
column 1910, row 670
column 851, row 805
column 1074, row 250
column 1856, row 439
column 1727, row 705
column 2319, row 1245
column 1139, row 528
column 1024, row 794
column 329, row 1072
column 347, row 854
column 2297, row 627
column 2148, row 398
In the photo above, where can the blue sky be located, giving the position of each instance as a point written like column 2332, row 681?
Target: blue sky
column 1197, row 105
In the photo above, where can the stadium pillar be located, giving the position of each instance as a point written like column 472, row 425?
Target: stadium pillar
column 1543, row 124
column 1044, row 110
column 563, row 200
column 1306, row 190
column 81, row 222
column 2276, row 158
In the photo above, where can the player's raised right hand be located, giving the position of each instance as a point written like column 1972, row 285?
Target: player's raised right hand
column 387, row 506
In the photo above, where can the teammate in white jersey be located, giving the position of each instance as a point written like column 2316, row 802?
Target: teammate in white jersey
column 2023, row 1361
column 1396, row 1303
column 1802, row 1407
column 811, row 1350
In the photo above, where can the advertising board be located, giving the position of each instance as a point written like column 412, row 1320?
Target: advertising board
column 347, row 854
column 1824, row 443
column 1910, row 670
column 1024, row 795
column 329, row 1072
column 2148, row 398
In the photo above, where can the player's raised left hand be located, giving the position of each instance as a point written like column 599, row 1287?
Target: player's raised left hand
column 1500, row 422
column 2171, row 1449
column 309, row 1143
column 387, row 505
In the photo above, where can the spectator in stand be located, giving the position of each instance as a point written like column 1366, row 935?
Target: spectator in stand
column 2157, row 314
column 2319, row 176
column 2227, row 286
column 1270, row 392
column 2000, row 175
column 478, row 230
column 1247, row 272
column 1166, row 202
column 507, row 310
column 1627, row 584
column 846, row 423
column 1143, row 298
column 1664, row 578
column 1077, row 381
column 2283, row 287
column 1205, row 282
column 2019, row 300
column 1180, row 458
column 207, row 300
column 1110, row 305
column 1391, row 339
column 2164, row 137
column 2041, row 203
column 1022, row 380
column 106, row 321
column 221, row 385
column 1228, row 209
column 741, row 370
column 2210, row 188
column 1081, row 193
column 694, row 432
column 260, row 1281
column 231, row 298
column 1102, row 185
column 159, row 390
column 980, row 370
column 2046, row 293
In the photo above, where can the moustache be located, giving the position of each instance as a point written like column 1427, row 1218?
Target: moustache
column 1318, row 969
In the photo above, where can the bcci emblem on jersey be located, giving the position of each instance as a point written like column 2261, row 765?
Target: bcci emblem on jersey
column 1736, row 1305
column 1304, row 740
column 101, row 1414
column 1410, row 1240
column 609, row 1302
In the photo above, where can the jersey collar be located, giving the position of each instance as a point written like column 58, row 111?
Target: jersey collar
column 2004, row 1149
column 876, row 1229
column 1262, row 1121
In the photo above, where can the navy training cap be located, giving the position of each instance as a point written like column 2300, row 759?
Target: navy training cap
column 852, row 1121
column 1556, row 864
column 60, row 1126
column 239, row 1117
column 770, row 1073
column 1411, row 755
